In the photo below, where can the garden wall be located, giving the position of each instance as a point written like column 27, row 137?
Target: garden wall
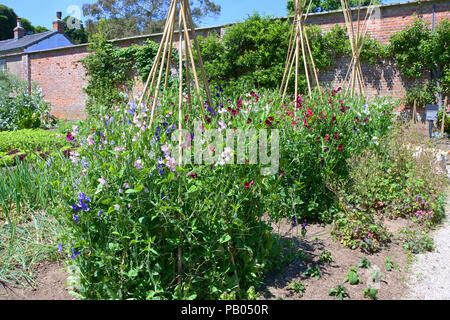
column 62, row 78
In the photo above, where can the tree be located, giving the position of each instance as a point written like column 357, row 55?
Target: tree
column 29, row 29
column 40, row 29
column 8, row 21
column 125, row 18
column 327, row 5
column 74, row 30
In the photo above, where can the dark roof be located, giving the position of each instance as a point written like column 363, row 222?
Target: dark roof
column 26, row 41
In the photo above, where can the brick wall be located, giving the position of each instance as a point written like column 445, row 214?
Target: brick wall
column 62, row 77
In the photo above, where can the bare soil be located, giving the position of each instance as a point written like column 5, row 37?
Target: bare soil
column 50, row 285
column 392, row 284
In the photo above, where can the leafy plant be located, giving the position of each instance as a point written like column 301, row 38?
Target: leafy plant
column 339, row 291
column 297, row 286
column 313, row 272
column 415, row 241
column 352, row 276
column 20, row 109
column 371, row 293
column 326, row 257
column 364, row 263
column 388, row 263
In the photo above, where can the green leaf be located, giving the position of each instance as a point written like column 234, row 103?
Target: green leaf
column 225, row 238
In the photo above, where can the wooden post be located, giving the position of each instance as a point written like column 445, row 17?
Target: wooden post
column 414, row 112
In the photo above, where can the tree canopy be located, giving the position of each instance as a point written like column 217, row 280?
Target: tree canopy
column 327, row 5
column 8, row 21
column 124, row 18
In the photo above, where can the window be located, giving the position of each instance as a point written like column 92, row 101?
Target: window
column 3, row 65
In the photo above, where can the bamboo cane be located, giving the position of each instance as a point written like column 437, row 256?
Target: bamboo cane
column 158, row 55
column 197, row 47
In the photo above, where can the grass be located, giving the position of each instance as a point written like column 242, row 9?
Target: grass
column 28, row 228
column 23, row 245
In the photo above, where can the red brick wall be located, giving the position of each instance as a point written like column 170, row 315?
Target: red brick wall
column 61, row 76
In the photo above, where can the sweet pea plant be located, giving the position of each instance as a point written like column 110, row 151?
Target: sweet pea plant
column 318, row 137
column 142, row 225
column 139, row 226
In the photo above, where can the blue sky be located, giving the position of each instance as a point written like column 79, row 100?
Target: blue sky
column 43, row 12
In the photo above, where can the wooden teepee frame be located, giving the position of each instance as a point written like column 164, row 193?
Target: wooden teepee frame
column 186, row 27
column 299, row 41
column 354, row 76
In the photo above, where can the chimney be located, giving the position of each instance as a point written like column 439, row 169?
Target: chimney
column 58, row 25
column 19, row 32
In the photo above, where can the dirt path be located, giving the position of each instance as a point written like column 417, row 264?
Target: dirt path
column 50, row 285
column 430, row 274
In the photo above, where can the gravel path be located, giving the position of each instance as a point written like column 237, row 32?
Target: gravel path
column 430, row 274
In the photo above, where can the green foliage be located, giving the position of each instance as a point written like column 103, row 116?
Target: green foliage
column 388, row 263
column 423, row 94
column 128, row 18
column 8, row 21
column 417, row 50
column 112, row 70
column 298, row 287
column 253, row 53
column 313, row 272
column 340, row 292
column 27, row 139
column 409, row 48
column 364, row 263
column 415, row 241
column 327, row 5
column 326, row 257
column 325, row 136
column 18, row 108
column 395, row 181
column 371, row 293
column 74, row 30
column 352, row 276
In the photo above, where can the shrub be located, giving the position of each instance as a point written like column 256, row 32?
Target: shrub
column 111, row 70
column 253, row 54
column 18, row 108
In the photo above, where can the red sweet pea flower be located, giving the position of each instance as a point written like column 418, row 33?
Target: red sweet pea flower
column 248, row 184
column 309, row 112
column 341, row 148
column 326, row 150
column 327, row 137
column 249, row 120
column 283, row 173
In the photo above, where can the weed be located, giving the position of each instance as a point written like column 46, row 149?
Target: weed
column 313, row 272
column 340, row 292
column 364, row 263
column 297, row 286
column 371, row 293
column 352, row 276
column 326, row 257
